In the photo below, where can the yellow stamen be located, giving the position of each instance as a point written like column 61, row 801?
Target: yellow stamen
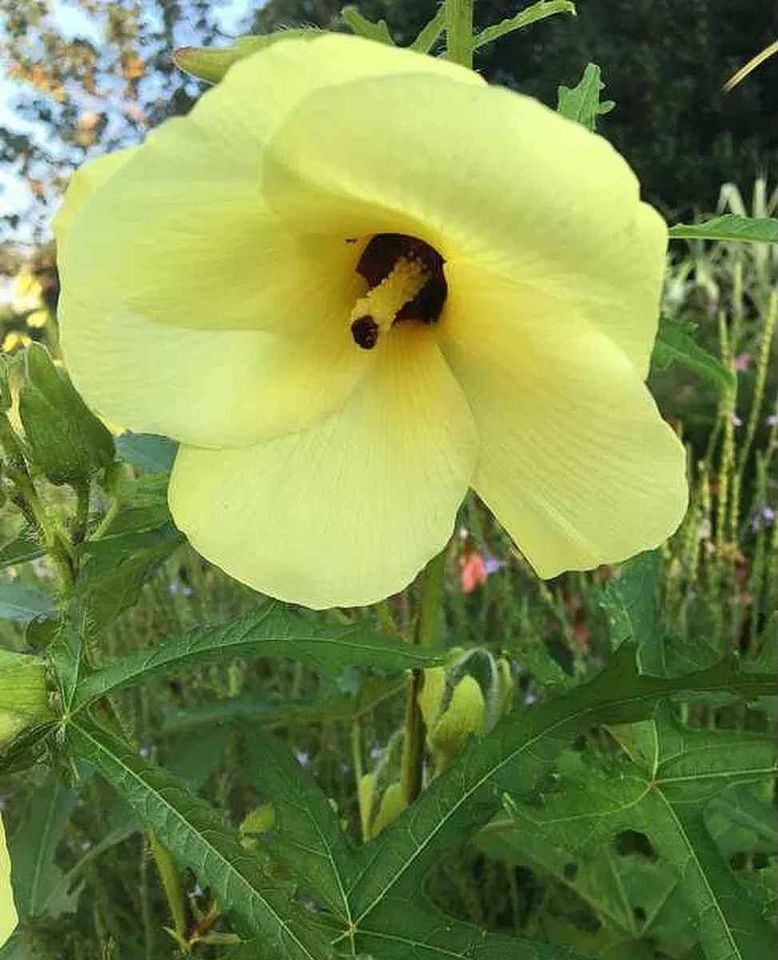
column 384, row 302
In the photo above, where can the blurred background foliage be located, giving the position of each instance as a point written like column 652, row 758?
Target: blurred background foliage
column 91, row 75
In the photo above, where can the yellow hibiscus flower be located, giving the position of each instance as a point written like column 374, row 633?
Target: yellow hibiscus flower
column 8, row 918
column 356, row 281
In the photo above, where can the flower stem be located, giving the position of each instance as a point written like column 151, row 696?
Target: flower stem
column 426, row 635
column 57, row 545
column 459, row 32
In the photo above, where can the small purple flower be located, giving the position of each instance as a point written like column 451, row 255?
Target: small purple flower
column 736, row 421
column 742, row 362
column 764, row 517
column 303, row 757
column 492, row 564
column 145, row 751
column 376, row 753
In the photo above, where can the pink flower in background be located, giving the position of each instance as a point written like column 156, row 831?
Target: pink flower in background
column 474, row 572
column 742, row 362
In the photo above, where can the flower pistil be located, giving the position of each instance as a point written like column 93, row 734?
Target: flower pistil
column 406, row 283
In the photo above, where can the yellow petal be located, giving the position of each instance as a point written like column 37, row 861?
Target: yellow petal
column 8, row 917
column 575, row 461
column 205, row 387
column 349, row 511
column 84, row 183
column 184, row 236
column 487, row 177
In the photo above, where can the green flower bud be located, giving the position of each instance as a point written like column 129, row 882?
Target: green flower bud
column 24, row 699
column 366, row 797
column 468, row 696
column 212, row 63
column 463, row 716
column 258, row 821
column 507, row 686
column 68, row 442
column 391, row 806
column 430, row 698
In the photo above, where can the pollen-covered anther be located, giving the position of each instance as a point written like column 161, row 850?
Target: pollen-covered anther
column 375, row 313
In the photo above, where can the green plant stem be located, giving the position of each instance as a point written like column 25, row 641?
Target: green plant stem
column 459, row 32
column 426, row 634
column 82, row 513
column 110, row 515
column 57, row 546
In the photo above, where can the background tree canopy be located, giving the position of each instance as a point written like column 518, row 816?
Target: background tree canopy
column 94, row 76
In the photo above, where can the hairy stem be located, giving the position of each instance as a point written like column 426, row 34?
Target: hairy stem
column 459, row 32
column 426, row 634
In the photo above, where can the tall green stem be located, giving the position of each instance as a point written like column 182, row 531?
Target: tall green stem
column 459, row 31
column 426, row 635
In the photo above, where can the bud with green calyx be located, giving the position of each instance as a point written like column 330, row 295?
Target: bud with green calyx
column 68, row 443
column 466, row 697
column 261, row 819
column 24, row 698
column 381, row 794
column 212, row 63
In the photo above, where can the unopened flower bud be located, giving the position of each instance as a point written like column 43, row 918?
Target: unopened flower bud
column 68, row 442
column 464, row 715
column 212, row 63
column 391, row 806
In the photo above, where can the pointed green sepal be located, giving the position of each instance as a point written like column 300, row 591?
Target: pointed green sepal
column 68, row 442
column 212, row 63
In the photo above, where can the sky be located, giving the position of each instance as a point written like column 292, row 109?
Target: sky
column 72, row 21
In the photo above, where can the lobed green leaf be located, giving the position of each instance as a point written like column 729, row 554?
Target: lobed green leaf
column 538, row 11
column 363, row 27
column 23, row 603
column 308, row 838
column 468, row 794
column 273, row 630
column 729, row 227
column 582, row 102
column 24, row 546
column 195, row 835
column 675, row 345
column 40, row 887
column 430, row 34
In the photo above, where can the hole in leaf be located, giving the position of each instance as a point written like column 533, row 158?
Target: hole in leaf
column 570, row 871
column 632, row 843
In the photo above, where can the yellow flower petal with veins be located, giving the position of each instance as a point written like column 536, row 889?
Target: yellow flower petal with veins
column 355, row 281
column 8, row 917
